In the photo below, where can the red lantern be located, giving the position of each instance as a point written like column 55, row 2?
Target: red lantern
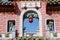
column 30, row 19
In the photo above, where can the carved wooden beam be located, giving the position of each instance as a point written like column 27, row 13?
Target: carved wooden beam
column 6, row 8
column 53, row 7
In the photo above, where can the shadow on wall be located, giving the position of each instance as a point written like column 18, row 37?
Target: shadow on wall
column 17, row 10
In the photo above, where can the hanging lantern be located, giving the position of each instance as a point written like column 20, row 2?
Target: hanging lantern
column 30, row 19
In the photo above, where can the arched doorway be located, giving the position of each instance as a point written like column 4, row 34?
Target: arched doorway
column 25, row 12
column 30, row 23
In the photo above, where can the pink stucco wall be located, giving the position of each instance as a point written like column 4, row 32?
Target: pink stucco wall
column 4, row 17
column 55, row 16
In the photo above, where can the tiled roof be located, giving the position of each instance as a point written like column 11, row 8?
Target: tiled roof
column 7, row 6
column 29, row 0
column 6, row 3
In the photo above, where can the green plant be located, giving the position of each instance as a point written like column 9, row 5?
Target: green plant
column 7, row 34
column 0, row 35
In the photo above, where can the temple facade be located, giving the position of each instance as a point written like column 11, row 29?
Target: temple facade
column 26, row 17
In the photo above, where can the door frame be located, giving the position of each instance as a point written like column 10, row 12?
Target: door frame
column 46, row 25
column 21, row 21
